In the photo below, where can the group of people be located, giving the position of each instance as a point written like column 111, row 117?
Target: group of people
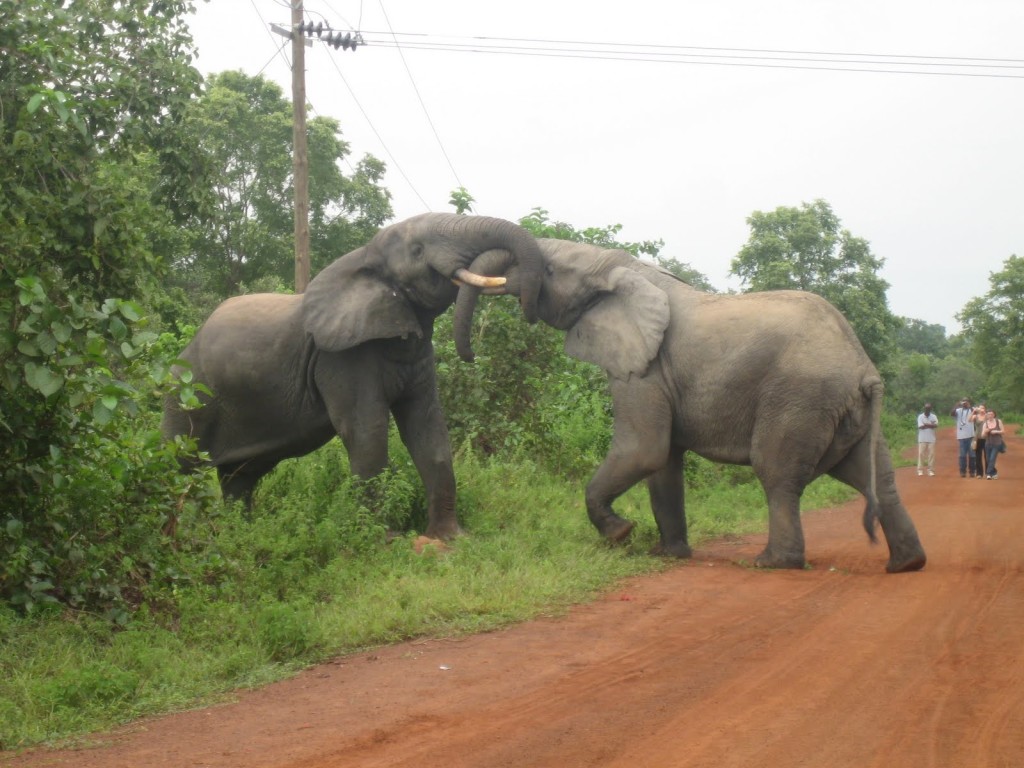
column 979, row 432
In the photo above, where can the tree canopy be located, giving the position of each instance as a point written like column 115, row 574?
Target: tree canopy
column 806, row 249
column 994, row 326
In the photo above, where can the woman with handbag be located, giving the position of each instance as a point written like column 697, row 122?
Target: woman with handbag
column 994, row 444
column 978, row 416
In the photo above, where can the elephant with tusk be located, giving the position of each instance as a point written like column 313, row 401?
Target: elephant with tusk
column 775, row 380
column 289, row 372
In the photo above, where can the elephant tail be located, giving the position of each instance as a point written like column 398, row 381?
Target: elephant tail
column 874, row 389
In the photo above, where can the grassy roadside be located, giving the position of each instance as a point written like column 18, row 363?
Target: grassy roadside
column 275, row 593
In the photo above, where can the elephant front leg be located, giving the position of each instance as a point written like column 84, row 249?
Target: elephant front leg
column 628, row 462
column 667, row 494
column 422, row 427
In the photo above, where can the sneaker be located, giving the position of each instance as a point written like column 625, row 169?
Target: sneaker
column 919, row 473
column 930, row 473
column 989, row 477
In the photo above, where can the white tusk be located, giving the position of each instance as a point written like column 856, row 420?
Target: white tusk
column 465, row 277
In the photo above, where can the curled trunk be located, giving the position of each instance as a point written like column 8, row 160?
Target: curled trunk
column 477, row 234
column 493, row 262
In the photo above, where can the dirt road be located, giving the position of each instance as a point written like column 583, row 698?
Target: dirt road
column 709, row 664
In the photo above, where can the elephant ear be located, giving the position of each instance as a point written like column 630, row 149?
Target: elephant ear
column 348, row 304
column 622, row 331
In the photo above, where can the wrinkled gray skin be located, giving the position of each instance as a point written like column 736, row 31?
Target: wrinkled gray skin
column 774, row 380
column 288, row 373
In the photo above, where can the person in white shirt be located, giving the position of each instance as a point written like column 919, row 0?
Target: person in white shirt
column 927, row 423
column 964, row 434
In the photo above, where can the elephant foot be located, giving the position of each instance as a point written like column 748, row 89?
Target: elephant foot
column 768, row 559
column 444, row 531
column 913, row 562
column 681, row 550
column 616, row 529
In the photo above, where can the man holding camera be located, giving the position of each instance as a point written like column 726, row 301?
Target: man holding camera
column 962, row 413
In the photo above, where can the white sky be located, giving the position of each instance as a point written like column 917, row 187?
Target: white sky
column 929, row 169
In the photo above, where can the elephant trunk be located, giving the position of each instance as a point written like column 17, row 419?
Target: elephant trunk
column 493, row 262
column 476, row 234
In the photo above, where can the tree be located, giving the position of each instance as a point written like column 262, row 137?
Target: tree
column 994, row 329
column 243, row 125
column 914, row 335
column 805, row 249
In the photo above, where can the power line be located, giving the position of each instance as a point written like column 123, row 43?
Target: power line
column 395, row 164
column 950, row 66
column 423, row 105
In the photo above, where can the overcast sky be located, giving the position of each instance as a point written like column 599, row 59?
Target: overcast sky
column 635, row 113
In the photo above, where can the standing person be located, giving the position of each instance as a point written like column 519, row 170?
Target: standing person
column 994, row 444
column 980, row 459
column 964, row 434
column 927, row 423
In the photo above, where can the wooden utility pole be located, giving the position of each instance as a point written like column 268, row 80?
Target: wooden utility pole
column 300, row 157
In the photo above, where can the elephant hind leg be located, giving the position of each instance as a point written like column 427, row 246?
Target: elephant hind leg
column 905, row 551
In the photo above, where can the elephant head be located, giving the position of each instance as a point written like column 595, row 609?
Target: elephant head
column 408, row 274
column 614, row 316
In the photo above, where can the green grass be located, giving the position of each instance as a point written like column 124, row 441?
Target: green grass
column 313, row 575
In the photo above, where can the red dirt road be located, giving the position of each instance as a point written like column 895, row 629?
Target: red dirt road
column 708, row 664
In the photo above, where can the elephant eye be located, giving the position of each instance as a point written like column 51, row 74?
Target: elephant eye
column 416, row 251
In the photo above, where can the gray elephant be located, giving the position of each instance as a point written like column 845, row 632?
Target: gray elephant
column 774, row 380
column 289, row 372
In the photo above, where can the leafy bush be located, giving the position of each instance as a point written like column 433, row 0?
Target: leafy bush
column 88, row 484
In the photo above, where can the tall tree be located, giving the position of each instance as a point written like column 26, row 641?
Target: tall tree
column 806, row 249
column 244, row 127
column 994, row 328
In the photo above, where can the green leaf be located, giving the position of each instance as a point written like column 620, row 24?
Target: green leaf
column 118, row 329
column 101, row 414
column 34, row 102
column 42, row 379
column 28, row 348
column 61, row 332
column 130, row 311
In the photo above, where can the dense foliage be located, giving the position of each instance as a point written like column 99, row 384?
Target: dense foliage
column 96, row 181
column 994, row 329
